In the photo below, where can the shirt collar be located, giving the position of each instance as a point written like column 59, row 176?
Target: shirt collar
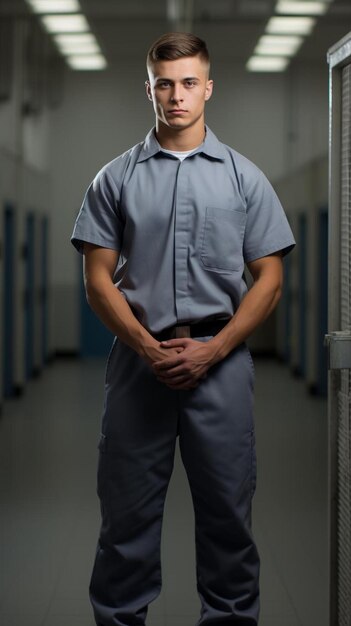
column 211, row 147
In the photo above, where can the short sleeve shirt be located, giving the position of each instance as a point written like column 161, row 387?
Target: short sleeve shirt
column 184, row 229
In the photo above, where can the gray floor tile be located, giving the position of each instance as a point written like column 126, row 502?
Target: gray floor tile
column 157, row 620
column 282, row 620
column 182, row 619
column 157, row 610
column 20, row 619
column 68, row 620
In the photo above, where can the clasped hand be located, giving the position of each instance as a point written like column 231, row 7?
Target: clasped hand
column 188, row 367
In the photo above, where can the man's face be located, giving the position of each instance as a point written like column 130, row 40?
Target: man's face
column 178, row 90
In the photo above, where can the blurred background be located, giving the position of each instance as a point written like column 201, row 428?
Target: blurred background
column 72, row 97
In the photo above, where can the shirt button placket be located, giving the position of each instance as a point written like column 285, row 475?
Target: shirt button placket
column 181, row 236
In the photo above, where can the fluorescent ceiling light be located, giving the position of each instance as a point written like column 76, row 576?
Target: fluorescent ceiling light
column 267, row 64
column 290, row 25
column 274, row 50
column 77, row 43
column 54, row 6
column 87, row 62
column 278, row 45
column 281, row 40
column 74, row 39
column 90, row 48
column 65, row 23
column 300, row 7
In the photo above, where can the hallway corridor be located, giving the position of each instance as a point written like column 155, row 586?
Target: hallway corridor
column 50, row 515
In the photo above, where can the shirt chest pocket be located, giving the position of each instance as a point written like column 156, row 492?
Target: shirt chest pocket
column 222, row 240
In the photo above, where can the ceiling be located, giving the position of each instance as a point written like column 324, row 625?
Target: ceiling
column 126, row 28
column 230, row 27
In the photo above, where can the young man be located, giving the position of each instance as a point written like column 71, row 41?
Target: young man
column 166, row 229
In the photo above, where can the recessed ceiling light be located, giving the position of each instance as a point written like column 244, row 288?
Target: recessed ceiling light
column 300, row 7
column 281, row 39
column 54, row 6
column 65, row 23
column 267, row 64
column 276, row 45
column 74, row 38
column 273, row 50
column 290, row 25
column 87, row 62
column 79, row 48
column 77, row 44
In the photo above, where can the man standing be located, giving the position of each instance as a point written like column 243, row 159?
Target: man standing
column 166, row 229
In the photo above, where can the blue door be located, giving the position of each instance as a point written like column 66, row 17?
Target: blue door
column 302, row 271
column 9, row 301
column 29, row 295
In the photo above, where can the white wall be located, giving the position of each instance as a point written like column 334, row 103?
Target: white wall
column 279, row 121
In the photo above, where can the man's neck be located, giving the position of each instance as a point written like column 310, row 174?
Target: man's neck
column 180, row 140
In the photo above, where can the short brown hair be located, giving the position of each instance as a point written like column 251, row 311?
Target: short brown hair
column 172, row 46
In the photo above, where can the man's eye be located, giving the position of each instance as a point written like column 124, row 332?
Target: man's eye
column 164, row 84
column 190, row 83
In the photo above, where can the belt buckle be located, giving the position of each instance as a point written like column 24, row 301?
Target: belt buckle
column 181, row 332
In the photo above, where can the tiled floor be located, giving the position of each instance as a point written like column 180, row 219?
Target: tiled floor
column 50, row 517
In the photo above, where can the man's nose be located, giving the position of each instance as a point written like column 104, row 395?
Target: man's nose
column 177, row 95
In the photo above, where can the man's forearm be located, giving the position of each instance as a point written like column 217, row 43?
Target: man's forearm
column 256, row 306
column 114, row 311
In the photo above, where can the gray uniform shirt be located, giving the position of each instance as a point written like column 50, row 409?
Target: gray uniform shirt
column 184, row 230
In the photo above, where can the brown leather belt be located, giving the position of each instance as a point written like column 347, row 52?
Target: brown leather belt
column 196, row 329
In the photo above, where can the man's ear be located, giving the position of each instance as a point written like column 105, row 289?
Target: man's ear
column 209, row 89
column 148, row 89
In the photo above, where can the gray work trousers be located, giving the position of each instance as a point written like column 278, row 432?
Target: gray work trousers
column 214, row 422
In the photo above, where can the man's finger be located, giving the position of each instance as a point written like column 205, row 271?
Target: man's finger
column 174, row 343
column 166, row 364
